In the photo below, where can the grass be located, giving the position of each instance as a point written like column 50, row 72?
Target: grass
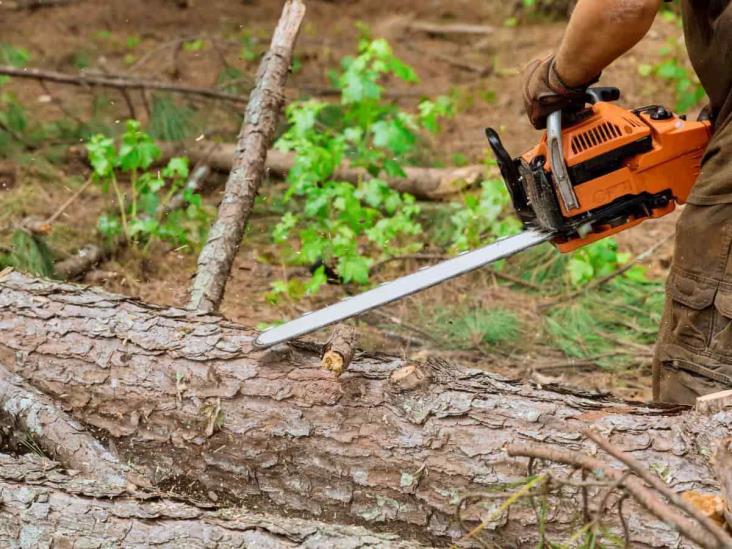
column 614, row 325
column 477, row 327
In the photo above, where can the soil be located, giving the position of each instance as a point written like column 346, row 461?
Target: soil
column 135, row 37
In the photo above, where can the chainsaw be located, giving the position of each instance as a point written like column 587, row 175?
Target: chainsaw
column 609, row 169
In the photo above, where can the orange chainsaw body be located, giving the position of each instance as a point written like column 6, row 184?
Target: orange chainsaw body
column 623, row 166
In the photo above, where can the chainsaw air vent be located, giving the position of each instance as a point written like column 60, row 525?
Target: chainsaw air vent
column 602, row 133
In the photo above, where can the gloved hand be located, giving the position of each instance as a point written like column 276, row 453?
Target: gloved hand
column 544, row 92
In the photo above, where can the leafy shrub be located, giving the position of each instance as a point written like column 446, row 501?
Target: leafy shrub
column 341, row 224
column 140, row 218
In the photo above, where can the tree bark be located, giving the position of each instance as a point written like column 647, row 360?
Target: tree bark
column 257, row 133
column 424, row 183
column 41, row 506
column 185, row 398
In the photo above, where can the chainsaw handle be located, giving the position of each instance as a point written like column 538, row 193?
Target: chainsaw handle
column 559, row 165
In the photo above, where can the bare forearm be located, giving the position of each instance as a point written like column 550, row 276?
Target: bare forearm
column 599, row 32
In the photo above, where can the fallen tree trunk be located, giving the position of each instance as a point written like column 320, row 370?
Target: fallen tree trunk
column 425, row 183
column 41, row 506
column 184, row 397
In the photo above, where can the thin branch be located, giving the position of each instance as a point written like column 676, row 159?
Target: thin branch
column 119, row 82
column 638, row 468
column 62, row 208
column 691, row 529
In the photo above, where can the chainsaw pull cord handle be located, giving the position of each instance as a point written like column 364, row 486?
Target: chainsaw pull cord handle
column 559, row 166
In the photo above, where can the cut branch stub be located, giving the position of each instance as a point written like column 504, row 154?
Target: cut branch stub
column 257, row 133
column 338, row 351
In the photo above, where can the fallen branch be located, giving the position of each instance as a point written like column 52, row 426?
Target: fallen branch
column 34, row 4
column 84, row 259
column 639, row 469
column 449, row 28
column 694, row 531
column 118, row 82
column 44, row 507
column 25, row 409
column 426, row 183
column 338, row 351
column 257, row 133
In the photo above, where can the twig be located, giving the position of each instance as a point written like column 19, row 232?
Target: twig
column 119, row 82
column 62, row 208
column 638, row 468
column 692, row 530
column 242, row 186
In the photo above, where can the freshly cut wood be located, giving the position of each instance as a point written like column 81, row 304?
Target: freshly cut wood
column 248, row 163
column 714, row 402
column 361, row 449
column 426, row 183
column 338, row 351
column 42, row 506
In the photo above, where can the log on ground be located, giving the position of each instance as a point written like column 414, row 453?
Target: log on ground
column 424, row 183
column 184, row 397
column 42, row 506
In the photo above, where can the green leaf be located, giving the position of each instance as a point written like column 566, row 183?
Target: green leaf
column 14, row 56
column 109, row 226
column 102, row 155
column 580, row 272
column 317, row 281
column 177, row 167
column 354, row 268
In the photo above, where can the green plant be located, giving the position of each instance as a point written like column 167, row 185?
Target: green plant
column 482, row 217
column 170, row 121
column 141, row 217
column 28, row 253
column 610, row 325
column 338, row 223
column 599, row 259
column 688, row 91
column 475, row 327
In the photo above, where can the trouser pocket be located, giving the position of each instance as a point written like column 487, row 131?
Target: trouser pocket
column 690, row 320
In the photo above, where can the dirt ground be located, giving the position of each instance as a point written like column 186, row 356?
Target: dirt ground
column 482, row 71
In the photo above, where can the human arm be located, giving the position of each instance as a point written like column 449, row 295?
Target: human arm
column 598, row 33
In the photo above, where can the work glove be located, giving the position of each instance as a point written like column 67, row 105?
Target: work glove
column 544, row 92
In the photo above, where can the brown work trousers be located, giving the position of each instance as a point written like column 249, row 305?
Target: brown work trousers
column 694, row 348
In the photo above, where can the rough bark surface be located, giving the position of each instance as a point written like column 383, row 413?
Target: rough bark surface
column 26, row 410
column 185, row 396
column 426, row 183
column 257, row 133
column 42, row 506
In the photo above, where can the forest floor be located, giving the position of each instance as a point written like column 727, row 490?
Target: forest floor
column 544, row 332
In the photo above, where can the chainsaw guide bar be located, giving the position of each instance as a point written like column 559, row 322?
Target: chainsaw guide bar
column 402, row 287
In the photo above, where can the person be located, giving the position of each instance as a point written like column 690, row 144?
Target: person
column 693, row 353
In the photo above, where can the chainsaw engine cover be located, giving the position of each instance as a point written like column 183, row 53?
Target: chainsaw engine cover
column 624, row 167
